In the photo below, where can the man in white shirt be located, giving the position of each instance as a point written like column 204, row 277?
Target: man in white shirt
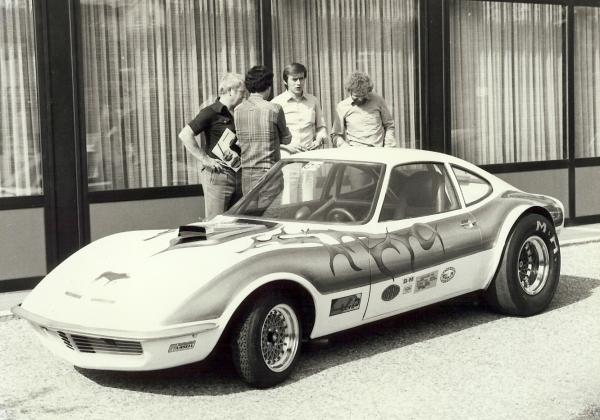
column 363, row 118
column 303, row 114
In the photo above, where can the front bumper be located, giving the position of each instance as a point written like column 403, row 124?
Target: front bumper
column 110, row 349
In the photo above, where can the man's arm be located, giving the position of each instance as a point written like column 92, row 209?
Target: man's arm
column 186, row 135
column 388, row 125
column 338, row 131
column 320, row 128
column 285, row 137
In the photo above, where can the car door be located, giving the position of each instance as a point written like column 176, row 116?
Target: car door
column 425, row 246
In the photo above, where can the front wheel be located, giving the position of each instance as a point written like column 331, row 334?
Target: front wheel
column 266, row 341
column 529, row 271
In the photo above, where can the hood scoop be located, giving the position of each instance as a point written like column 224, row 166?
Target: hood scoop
column 191, row 233
column 213, row 233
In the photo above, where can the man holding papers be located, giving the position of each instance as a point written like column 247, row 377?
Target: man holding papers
column 219, row 154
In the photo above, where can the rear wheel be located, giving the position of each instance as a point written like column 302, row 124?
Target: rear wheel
column 529, row 271
column 266, row 341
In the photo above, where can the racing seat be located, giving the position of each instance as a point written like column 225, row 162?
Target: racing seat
column 425, row 194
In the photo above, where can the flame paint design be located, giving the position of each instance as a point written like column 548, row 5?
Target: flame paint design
column 389, row 240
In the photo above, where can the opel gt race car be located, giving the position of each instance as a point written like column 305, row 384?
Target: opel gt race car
column 328, row 240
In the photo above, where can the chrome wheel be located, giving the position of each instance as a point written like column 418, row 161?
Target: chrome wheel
column 533, row 266
column 279, row 337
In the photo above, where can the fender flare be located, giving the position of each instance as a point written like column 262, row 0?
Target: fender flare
column 243, row 295
column 509, row 223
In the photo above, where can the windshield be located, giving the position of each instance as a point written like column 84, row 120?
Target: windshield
column 314, row 190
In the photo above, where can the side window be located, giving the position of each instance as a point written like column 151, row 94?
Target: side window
column 358, row 182
column 473, row 187
column 416, row 190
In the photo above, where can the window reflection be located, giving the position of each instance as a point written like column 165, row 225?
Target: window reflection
column 20, row 149
column 587, row 82
column 506, row 78
column 148, row 65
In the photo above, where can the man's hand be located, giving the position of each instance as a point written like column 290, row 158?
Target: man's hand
column 227, row 154
column 318, row 142
column 321, row 138
column 295, row 148
column 214, row 165
column 343, row 143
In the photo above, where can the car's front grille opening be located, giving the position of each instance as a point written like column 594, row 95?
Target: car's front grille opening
column 86, row 344
column 65, row 339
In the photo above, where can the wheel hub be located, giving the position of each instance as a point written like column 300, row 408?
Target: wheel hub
column 279, row 337
column 533, row 265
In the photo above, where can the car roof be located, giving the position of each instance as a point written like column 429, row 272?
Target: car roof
column 386, row 155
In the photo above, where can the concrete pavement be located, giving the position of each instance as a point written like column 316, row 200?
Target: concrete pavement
column 572, row 235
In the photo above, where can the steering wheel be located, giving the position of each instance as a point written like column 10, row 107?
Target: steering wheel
column 322, row 209
column 338, row 212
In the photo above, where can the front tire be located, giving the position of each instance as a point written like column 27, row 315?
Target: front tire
column 528, row 274
column 266, row 341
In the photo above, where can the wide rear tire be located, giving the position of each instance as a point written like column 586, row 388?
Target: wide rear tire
column 266, row 341
column 528, row 275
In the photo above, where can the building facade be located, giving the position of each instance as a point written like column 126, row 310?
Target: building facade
column 94, row 92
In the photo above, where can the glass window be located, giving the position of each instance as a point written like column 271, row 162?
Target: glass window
column 20, row 147
column 587, row 82
column 320, row 191
column 332, row 38
column 506, row 80
column 416, row 190
column 148, row 65
column 473, row 187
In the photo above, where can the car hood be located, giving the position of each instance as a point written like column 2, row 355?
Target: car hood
column 136, row 280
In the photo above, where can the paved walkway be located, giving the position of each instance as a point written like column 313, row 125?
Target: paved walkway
column 568, row 236
column 579, row 234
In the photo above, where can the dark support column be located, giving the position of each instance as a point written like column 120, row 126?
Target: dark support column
column 266, row 39
column 63, row 151
column 437, row 113
column 569, row 135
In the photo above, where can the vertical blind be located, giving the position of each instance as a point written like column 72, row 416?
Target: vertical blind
column 587, row 82
column 506, row 80
column 332, row 38
column 20, row 148
column 147, row 67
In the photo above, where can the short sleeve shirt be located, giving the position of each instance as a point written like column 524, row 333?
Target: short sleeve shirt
column 212, row 121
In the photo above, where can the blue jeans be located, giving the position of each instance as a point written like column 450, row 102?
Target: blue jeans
column 221, row 191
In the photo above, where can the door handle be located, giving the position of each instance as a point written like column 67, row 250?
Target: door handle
column 468, row 223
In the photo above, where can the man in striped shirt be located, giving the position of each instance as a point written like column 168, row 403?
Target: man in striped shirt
column 260, row 127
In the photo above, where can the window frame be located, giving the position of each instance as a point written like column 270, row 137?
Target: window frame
column 479, row 200
column 447, row 175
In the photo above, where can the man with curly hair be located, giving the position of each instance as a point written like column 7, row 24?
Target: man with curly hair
column 260, row 126
column 363, row 118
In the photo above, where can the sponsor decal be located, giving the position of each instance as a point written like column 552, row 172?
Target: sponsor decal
column 187, row 345
column 345, row 304
column 426, row 281
column 540, row 226
column 554, row 244
column 390, row 292
column 111, row 276
column 447, row 274
column 407, row 285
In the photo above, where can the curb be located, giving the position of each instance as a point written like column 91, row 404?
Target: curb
column 579, row 242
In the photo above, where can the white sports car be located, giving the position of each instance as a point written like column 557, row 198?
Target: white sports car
column 327, row 240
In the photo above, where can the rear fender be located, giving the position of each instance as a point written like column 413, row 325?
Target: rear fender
column 501, row 241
